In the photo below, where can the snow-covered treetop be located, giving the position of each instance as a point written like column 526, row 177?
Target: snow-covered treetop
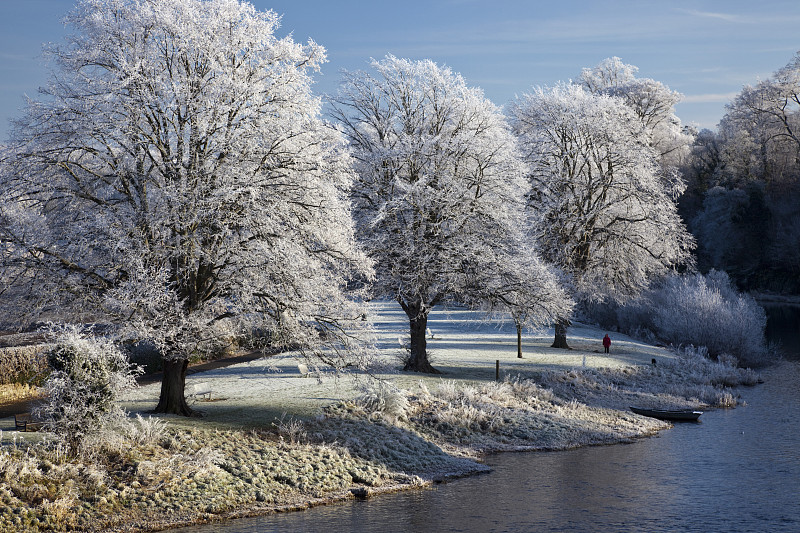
column 762, row 127
column 651, row 100
column 609, row 73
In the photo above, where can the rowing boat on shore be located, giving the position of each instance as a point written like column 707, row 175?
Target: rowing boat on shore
column 669, row 414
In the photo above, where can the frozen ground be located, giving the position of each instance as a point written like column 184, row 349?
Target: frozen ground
column 463, row 347
column 314, row 442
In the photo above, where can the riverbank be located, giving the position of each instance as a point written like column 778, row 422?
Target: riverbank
column 275, row 440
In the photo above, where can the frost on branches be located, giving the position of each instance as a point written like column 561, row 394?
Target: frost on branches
column 176, row 179
column 439, row 197
column 88, row 375
column 607, row 214
column 651, row 101
column 764, row 121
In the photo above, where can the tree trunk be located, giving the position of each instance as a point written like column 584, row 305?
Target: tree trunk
column 173, row 384
column 561, row 335
column 519, row 338
column 418, row 360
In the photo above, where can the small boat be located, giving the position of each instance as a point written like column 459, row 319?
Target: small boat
column 687, row 415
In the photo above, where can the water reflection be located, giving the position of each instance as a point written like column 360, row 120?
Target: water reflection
column 783, row 328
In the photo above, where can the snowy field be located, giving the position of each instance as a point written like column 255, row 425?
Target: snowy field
column 463, row 347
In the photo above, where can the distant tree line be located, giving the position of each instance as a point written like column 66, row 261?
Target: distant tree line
column 742, row 201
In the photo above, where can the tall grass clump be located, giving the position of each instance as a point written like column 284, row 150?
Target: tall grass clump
column 88, row 375
column 23, row 364
column 382, row 399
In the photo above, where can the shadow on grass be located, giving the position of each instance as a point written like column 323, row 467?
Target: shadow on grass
column 397, row 449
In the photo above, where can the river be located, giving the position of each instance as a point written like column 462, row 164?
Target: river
column 737, row 470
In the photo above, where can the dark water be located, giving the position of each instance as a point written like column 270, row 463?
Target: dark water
column 783, row 328
column 736, row 471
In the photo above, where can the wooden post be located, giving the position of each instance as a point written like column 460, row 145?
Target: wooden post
column 497, row 370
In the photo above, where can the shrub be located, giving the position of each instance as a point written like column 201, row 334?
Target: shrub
column 148, row 430
column 698, row 310
column 88, row 374
column 708, row 311
column 293, row 429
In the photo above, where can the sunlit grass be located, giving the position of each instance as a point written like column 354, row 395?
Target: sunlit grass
column 15, row 392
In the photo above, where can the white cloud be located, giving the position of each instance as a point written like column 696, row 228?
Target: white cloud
column 721, row 16
column 708, row 98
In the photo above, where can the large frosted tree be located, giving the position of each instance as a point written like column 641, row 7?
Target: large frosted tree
column 176, row 180
column 607, row 213
column 439, row 198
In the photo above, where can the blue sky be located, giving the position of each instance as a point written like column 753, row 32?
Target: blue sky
column 707, row 50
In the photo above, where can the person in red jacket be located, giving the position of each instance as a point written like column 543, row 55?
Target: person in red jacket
column 606, row 342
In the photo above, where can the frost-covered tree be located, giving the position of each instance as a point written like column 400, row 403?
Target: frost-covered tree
column 532, row 301
column 732, row 229
column 651, row 101
column 701, row 172
column 743, row 202
column 767, row 116
column 175, row 179
column 607, row 214
column 439, row 199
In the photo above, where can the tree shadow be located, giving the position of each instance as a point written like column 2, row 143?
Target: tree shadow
column 397, row 449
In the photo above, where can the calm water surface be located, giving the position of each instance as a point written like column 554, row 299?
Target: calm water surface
column 736, row 471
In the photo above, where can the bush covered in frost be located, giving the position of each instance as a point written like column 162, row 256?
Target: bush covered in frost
column 697, row 310
column 708, row 311
column 88, row 374
column 384, row 399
